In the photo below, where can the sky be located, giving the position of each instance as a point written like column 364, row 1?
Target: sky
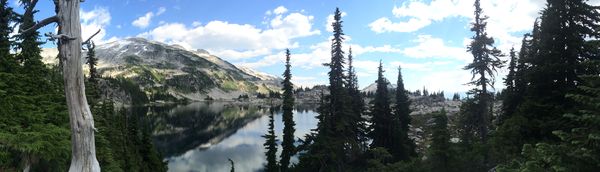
column 427, row 38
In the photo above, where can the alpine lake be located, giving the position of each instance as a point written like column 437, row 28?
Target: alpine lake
column 203, row 136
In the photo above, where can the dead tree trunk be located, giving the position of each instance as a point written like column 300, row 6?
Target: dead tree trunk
column 82, row 123
column 83, row 147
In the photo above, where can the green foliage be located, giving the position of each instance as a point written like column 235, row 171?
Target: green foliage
column 439, row 150
column 194, row 81
column 8, row 62
column 357, row 106
column 483, row 68
column 579, row 147
column 288, row 147
column 404, row 146
column 382, row 121
column 103, row 115
column 331, row 148
column 33, row 123
column 378, row 157
column 138, row 97
column 271, row 145
column 92, row 61
column 550, row 64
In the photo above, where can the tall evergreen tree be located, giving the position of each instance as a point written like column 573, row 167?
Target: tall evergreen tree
column 551, row 66
column 336, row 137
column 288, row 148
column 342, row 122
column 33, row 119
column 30, row 46
column 556, row 64
column 578, row 148
column 402, row 121
column 271, row 145
column 382, row 121
column 510, row 92
column 92, row 90
column 92, row 61
column 358, row 107
column 102, row 120
column 485, row 64
column 7, row 61
column 439, row 151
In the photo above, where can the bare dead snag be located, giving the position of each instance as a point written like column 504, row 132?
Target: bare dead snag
column 83, row 152
column 87, row 41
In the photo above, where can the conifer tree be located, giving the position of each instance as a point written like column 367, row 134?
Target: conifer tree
column 556, row 64
column 7, row 61
column 382, row 121
column 341, row 117
column 439, row 151
column 92, row 88
column 406, row 147
column 577, row 149
column 271, row 145
column 510, row 92
column 288, row 148
column 357, row 104
column 485, row 64
column 30, row 46
column 456, row 97
column 549, row 68
column 33, row 116
column 92, row 61
column 105, row 154
column 336, row 136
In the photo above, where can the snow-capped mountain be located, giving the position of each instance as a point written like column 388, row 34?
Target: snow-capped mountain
column 171, row 69
column 373, row 87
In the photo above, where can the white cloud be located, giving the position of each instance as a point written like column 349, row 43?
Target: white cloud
column 358, row 49
column 386, row 25
column 160, row 11
column 306, row 81
column 237, row 41
column 319, row 53
column 366, row 68
column 143, row 21
column 196, row 24
column 330, row 19
column 418, row 14
column 451, row 81
column 92, row 21
column 422, row 67
column 430, row 47
column 506, row 17
column 280, row 10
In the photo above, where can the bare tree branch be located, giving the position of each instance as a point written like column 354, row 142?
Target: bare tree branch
column 40, row 24
column 60, row 37
column 87, row 41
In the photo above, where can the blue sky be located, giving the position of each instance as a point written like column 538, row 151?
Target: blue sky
column 426, row 37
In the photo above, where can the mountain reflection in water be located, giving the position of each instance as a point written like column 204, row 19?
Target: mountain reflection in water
column 202, row 136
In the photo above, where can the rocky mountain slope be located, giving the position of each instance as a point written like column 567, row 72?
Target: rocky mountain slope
column 163, row 70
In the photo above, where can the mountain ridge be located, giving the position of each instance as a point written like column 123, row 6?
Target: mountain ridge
column 159, row 68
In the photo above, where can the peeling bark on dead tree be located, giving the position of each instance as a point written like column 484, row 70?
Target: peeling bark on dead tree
column 83, row 152
column 82, row 123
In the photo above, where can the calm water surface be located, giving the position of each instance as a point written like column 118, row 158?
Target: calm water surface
column 202, row 136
